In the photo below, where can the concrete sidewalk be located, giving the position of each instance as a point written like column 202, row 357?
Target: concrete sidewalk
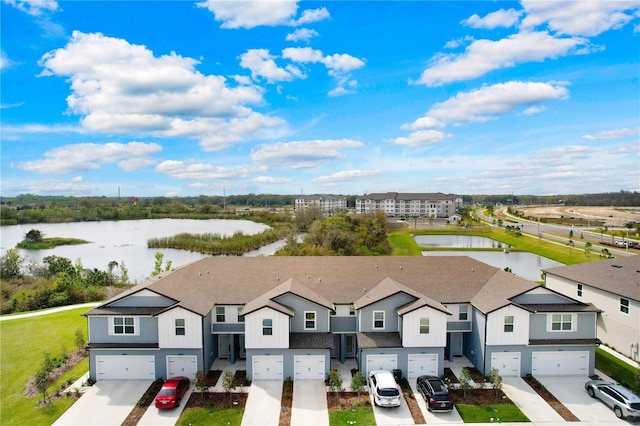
column 47, row 311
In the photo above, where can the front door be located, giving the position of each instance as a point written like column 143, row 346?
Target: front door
column 224, row 346
column 350, row 350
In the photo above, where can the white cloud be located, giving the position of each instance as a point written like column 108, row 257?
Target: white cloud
column 537, row 109
column 613, row 134
column 500, row 18
column 483, row 56
column 302, row 34
column 193, row 170
column 34, row 7
column 348, row 175
column 421, row 138
column 120, row 87
column 73, row 186
column 262, row 64
column 302, row 154
column 489, row 101
column 254, row 13
column 91, row 156
column 270, row 179
column 5, row 62
column 578, row 18
column 423, row 123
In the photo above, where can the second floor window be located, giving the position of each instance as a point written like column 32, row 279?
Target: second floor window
column 310, row 320
column 124, row 325
column 561, row 322
column 463, row 313
column 180, row 327
column 579, row 290
column 352, row 310
column 267, row 327
column 220, row 314
column 624, row 305
column 508, row 324
column 378, row 319
column 240, row 317
column 424, row 325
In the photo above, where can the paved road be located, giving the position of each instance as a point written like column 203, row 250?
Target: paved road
column 48, row 311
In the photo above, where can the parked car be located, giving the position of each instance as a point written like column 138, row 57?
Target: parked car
column 383, row 387
column 172, row 391
column 435, row 393
column 623, row 402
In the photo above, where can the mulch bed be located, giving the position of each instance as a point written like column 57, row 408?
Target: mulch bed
column 217, row 400
column 212, row 377
column 412, row 402
column 553, row 402
column 287, row 403
column 74, row 357
column 449, row 374
column 476, row 375
column 479, row 397
column 346, row 400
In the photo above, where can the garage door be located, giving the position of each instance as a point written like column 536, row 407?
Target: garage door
column 267, row 367
column 182, row 365
column 127, row 367
column 507, row 363
column 560, row 363
column 381, row 362
column 309, row 367
column 422, row 364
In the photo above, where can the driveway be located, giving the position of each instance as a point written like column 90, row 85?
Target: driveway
column 263, row 403
column 392, row 415
column 528, row 401
column 309, row 403
column 452, row 417
column 108, row 402
column 570, row 391
column 155, row 417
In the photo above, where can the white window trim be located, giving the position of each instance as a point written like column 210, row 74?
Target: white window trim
column 428, row 325
column 136, row 326
column 183, row 326
column 550, row 322
column 374, row 320
column 264, row 327
column 240, row 317
column 224, row 314
column 315, row 320
column 466, row 312
column 628, row 306
column 512, row 324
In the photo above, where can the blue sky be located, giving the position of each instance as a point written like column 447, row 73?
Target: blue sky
column 177, row 98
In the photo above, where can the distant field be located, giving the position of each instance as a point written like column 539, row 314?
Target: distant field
column 612, row 216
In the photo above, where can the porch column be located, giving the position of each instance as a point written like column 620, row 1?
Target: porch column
column 343, row 348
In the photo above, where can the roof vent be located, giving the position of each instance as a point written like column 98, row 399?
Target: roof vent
column 319, row 280
column 400, row 266
column 308, row 277
column 617, row 266
column 200, row 274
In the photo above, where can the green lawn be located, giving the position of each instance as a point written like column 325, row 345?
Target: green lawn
column 500, row 413
column 355, row 416
column 618, row 370
column 23, row 343
column 209, row 416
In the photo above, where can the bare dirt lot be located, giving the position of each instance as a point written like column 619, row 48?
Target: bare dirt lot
column 612, row 216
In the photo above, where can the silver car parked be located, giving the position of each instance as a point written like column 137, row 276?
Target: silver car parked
column 623, row 402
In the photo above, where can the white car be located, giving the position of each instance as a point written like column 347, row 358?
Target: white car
column 385, row 390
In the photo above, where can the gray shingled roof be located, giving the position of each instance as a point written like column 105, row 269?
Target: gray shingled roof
column 545, row 342
column 310, row 341
column 378, row 340
column 125, row 310
column 558, row 307
column 337, row 280
column 620, row 276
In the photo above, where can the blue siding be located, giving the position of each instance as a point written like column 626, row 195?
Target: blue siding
column 526, row 355
column 344, row 324
column 160, row 356
column 288, row 359
column 459, row 326
column 389, row 306
column 226, row 327
column 585, row 327
column 403, row 357
column 207, row 343
column 474, row 342
column 300, row 305
column 539, row 299
column 99, row 331
column 154, row 301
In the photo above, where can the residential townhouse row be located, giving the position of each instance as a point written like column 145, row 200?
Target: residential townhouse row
column 289, row 316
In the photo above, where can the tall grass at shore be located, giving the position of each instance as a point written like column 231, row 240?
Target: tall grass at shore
column 216, row 244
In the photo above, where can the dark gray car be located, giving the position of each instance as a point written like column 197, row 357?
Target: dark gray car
column 623, row 402
column 435, row 393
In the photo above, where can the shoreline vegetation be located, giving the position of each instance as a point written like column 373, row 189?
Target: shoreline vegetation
column 216, row 244
column 49, row 243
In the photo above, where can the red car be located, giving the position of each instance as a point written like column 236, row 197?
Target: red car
column 172, row 392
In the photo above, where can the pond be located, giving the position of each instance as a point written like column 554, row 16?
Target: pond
column 457, row 241
column 523, row 264
column 127, row 241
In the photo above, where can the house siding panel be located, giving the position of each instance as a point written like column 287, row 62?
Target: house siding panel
column 159, row 355
column 144, row 298
column 389, row 306
column 253, row 330
column 300, row 305
column 167, row 330
column 495, row 327
column 100, row 327
column 474, row 341
column 288, row 359
column 437, row 336
column 403, row 357
column 585, row 324
column 539, row 296
column 343, row 324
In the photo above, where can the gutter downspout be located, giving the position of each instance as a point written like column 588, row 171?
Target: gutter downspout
column 484, row 347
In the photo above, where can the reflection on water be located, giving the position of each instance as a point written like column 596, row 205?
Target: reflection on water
column 458, row 241
column 526, row 265
column 126, row 241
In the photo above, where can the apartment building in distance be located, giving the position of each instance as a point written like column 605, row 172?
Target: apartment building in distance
column 327, row 203
column 398, row 204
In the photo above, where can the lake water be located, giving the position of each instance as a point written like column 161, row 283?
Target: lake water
column 127, row 240
column 457, row 241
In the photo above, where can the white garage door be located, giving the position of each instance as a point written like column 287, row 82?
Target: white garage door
column 422, row 364
column 127, row 367
column 560, row 363
column 309, row 367
column 381, row 362
column 267, row 367
column 507, row 363
column 182, row 365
